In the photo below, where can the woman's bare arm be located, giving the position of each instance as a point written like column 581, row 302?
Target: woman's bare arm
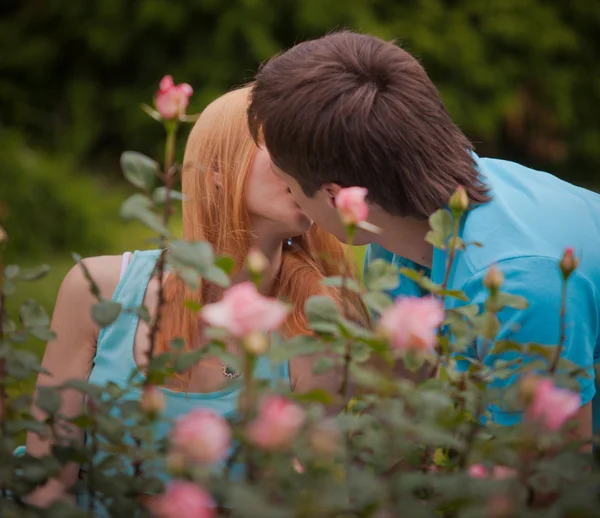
column 70, row 356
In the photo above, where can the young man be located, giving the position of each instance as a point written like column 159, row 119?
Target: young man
column 353, row 110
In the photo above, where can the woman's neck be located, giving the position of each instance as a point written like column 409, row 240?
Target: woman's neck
column 272, row 249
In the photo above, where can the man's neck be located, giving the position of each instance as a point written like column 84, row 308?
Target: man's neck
column 404, row 237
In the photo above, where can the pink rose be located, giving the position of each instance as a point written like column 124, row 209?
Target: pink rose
column 277, row 423
column 201, row 436
column 172, row 100
column 351, row 205
column 411, row 323
column 552, row 406
column 183, row 499
column 243, row 310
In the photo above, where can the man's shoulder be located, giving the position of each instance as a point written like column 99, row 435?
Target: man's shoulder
column 531, row 213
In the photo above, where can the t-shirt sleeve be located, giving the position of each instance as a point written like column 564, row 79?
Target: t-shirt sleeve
column 538, row 279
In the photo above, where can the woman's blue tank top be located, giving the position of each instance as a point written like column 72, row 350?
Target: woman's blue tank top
column 114, row 360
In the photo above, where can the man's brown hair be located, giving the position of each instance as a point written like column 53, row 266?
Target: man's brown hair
column 353, row 109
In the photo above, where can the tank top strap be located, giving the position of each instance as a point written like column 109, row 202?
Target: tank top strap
column 115, row 342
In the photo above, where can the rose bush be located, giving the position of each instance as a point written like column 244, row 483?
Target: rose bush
column 398, row 449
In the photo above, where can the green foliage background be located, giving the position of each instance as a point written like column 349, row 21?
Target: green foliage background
column 519, row 76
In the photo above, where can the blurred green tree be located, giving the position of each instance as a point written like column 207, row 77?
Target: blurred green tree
column 519, row 76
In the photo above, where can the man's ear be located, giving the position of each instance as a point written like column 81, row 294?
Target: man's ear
column 331, row 190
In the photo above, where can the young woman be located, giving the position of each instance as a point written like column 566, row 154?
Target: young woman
column 234, row 201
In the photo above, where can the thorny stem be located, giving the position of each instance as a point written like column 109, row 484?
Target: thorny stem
column 91, row 474
column 159, row 270
column 246, row 404
column 161, row 263
column 344, row 293
column 563, row 327
column 471, row 434
column 451, row 256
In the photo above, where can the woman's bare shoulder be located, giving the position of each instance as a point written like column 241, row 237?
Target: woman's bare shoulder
column 105, row 272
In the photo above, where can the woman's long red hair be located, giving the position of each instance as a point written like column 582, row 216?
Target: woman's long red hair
column 218, row 156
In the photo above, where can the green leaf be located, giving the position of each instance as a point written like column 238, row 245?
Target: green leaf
column 502, row 346
column 138, row 207
column 160, row 195
column 192, row 254
column 32, row 314
column 381, row 275
column 300, row 345
column 85, row 387
column 217, row 276
column 11, row 271
column 43, row 333
column 486, row 325
column 470, row 310
column 323, row 364
column 435, row 239
column 314, row 396
column 456, row 294
column 544, row 351
column 338, row 282
column 413, row 362
column 142, row 312
column 106, row 312
column 139, row 170
column 48, row 399
column 378, row 301
column 190, row 277
column 193, row 305
column 178, row 344
column 321, row 307
column 8, row 288
column 322, row 314
column 442, row 223
column 512, row 301
column 34, row 274
column 226, row 263
column 185, row 361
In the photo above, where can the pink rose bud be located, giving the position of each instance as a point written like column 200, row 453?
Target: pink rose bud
column 459, row 201
column 256, row 262
column 493, row 279
column 243, row 310
column 277, row 424
column 172, row 100
column 176, row 463
column 152, row 401
column 478, row 471
column 351, row 205
column 411, row 324
column 201, row 436
column 503, row 472
column 325, row 438
column 568, row 263
column 182, row 499
column 497, row 473
column 256, row 343
column 552, row 407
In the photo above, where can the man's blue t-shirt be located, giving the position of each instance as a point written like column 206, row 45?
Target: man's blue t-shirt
column 532, row 217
